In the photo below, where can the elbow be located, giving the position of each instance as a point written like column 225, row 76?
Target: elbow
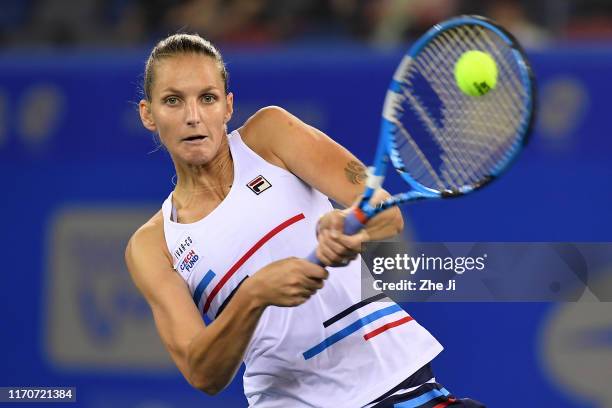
column 210, row 390
column 201, row 377
column 205, row 384
column 197, row 374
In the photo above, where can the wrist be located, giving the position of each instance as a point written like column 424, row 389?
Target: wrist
column 253, row 294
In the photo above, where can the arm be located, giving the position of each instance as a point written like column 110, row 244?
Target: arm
column 209, row 356
column 203, row 355
column 286, row 141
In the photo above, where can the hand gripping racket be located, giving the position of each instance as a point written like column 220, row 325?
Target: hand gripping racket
column 443, row 142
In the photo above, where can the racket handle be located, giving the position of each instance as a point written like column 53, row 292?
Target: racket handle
column 352, row 225
column 312, row 257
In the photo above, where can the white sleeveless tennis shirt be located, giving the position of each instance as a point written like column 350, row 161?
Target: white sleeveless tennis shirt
column 335, row 350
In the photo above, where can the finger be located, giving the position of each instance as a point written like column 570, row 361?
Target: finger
column 353, row 243
column 307, row 285
column 313, row 271
column 296, row 300
column 334, row 258
column 343, row 245
column 333, row 220
column 313, row 284
column 307, row 292
column 322, row 257
column 301, row 289
column 337, row 221
column 327, row 240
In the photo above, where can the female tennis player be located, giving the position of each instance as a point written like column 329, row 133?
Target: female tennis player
column 228, row 243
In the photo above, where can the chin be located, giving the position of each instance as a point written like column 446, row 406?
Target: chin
column 197, row 160
column 192, row 158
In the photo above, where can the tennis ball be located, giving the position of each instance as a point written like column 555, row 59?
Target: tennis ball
column 476, row 73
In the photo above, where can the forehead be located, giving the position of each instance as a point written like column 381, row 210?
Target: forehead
column 186, row 71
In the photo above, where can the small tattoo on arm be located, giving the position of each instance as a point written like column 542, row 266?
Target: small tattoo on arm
column 355, row 172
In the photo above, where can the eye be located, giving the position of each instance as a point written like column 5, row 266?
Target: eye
column 209, row 98
column 171, row 100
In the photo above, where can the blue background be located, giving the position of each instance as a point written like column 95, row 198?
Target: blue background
column 95, row 153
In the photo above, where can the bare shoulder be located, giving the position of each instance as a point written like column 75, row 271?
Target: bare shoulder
column 267, row 118
column 150, row 233
column 147, row 245
column 262, row 130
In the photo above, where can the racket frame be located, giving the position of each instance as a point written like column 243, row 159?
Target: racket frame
column 386, row 150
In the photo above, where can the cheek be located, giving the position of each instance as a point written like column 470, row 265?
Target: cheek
column 214, row 119
column 165, row 123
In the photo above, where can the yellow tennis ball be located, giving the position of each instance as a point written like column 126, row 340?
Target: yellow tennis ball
column 476, row 73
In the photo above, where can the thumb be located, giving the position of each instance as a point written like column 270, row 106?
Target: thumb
column 337, row 223
column 355, row 242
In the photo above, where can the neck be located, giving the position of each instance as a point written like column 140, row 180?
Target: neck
column 212, row 180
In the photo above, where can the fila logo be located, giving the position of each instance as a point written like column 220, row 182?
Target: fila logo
column 259, row 184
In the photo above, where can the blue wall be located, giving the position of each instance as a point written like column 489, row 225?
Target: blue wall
column 73, row 157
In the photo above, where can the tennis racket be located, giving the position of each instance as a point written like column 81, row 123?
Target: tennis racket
column 443, row 142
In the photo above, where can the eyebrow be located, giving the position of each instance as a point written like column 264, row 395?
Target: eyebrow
column 176, row 91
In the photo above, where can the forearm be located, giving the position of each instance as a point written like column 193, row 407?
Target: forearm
column 215, row 355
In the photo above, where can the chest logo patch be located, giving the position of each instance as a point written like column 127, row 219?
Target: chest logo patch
column 186, row 256
column 259, row 184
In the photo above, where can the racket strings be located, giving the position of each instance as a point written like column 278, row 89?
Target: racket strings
column 450, row 142
column 432, row 128
column 485, row 126
column 464, row 149
column 500, row 49
column 503, row 54
column 504, row 120
column 419, row 157
column 472, row 136
column 417, row 162
column 467, row 115
column 515, row 109
column 423, row 114
column 418, row 165
column 449, row 145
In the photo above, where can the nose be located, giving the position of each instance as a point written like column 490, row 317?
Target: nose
column 193, row 114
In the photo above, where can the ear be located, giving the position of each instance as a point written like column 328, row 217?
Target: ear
column 229, row 100
column 144, row 108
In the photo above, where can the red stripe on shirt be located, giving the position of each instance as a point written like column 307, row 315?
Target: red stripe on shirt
column 386, row 327
column 247, row 255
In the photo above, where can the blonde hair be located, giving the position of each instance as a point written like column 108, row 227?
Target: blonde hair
column 181, row 44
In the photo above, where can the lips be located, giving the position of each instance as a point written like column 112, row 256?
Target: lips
column 194, row 138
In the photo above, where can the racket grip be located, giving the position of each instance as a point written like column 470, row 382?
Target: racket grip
column 312, row 257
column 352, row 225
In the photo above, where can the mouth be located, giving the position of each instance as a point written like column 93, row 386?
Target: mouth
column 194, row 138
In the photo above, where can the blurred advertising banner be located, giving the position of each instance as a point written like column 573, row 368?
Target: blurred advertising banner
column 95, row 317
